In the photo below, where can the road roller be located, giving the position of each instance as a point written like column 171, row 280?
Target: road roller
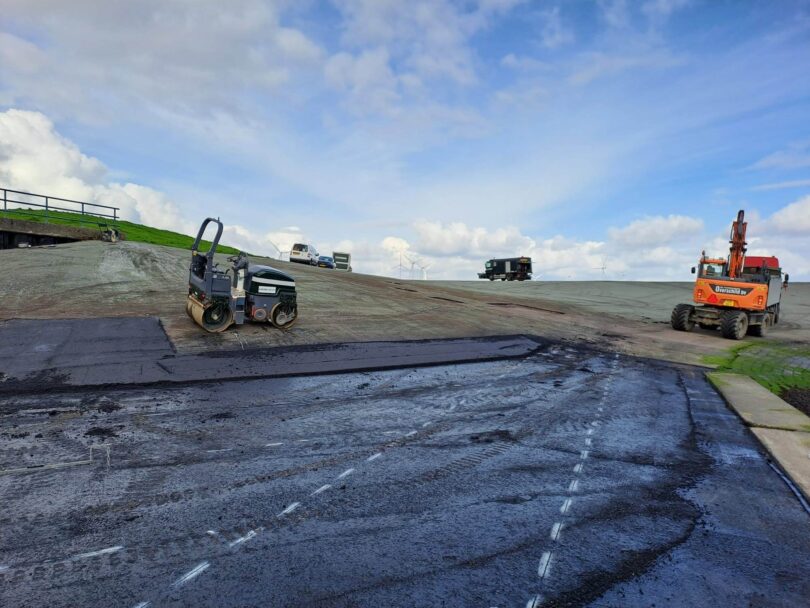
column 219, row 298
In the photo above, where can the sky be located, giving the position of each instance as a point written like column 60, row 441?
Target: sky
column 607, row 139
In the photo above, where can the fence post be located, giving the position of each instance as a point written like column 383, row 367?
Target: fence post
column 5, row 199
column 46, row 209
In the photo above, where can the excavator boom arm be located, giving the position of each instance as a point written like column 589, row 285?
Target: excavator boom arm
column 736, row 257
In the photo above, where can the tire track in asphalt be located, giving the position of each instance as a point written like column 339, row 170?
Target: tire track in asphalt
column 546, row 561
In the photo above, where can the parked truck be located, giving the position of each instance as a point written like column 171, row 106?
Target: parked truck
column 343, row 261
column 507, row 269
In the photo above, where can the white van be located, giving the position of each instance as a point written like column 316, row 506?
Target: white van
column 304, row 254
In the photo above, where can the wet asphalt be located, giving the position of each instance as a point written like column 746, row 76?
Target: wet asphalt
column 568, row 478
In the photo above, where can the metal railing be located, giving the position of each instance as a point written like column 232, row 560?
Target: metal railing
column 21, row 203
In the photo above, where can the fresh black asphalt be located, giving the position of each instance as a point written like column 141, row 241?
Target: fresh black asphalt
column 565, row 478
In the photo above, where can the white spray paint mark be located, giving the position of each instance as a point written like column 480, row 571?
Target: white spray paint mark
column 590, row 432
column 99, row 552
column 274, row 445
column 142, row 605
column 323, row 488
column 345, row 473
column 242, row 539
column 572, row 487
column 211, row 532
column 290, row 509
column 410, row 434
column 584, row 454
column 303, row 440
column 544, row 567
column 220, row 450
column 594, row 423
column 555, row 531
column 588, row 441
column 425, row 424
column 535, row 602
column 374, row 457
column 565, row 506
column 193, row 573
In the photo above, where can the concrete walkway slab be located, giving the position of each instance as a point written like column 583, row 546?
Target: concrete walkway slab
column 756, row 405
column 792, row 450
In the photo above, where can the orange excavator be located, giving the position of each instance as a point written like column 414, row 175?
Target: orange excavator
column 739, row 294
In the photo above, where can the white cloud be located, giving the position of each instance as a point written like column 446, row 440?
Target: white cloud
column 456, row 238
column 795, row 156
column 794, row 219
column 367, row 78
column 553, row 33
column 657, row 230
column 87, row 58
column 796, row 183
column 34, row 157
column 660, row 10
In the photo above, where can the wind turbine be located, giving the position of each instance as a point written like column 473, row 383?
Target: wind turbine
column 413, row 263
column 603, row 267
column 424, row 270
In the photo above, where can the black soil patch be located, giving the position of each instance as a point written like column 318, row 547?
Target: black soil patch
column 101, row 431
column 221, row 416
column 493, row 436
column 798, row 398
column 107, row 407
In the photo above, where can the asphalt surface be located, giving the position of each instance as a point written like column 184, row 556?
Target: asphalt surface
column 568, row 478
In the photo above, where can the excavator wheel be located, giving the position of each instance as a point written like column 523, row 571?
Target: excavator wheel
column 214, row 318
column 283, row 319
column 681, row 317
column 734, row 324
column 760, row 330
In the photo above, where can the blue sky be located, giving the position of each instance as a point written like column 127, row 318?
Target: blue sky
column 584, row 133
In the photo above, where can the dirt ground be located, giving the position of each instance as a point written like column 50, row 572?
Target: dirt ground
column 93, row 279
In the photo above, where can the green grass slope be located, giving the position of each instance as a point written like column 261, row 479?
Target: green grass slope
column 131, row 231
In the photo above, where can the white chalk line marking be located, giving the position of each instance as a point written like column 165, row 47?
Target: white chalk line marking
column 425, row 424
column 588, row 441
column 193, row 573
column 99, row 552
column 374, row 457
column 590, row 432
column 220, row 450
column 578, row 468
column 535, row 602
column 290, row 509
column 242, row 539
column 274, row 445
column 142, row 605
column 410, row 434
column 211, row 532
column 566, row 505
column 573, row 486
column 555, row 531
column 323, row 488
column 545, row 565
column 345, row 473
column 583, row 455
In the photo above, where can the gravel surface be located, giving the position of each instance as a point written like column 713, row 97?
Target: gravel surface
column 95, row 279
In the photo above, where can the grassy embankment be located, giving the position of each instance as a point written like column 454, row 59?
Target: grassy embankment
column 132, row 232
column 782, row 368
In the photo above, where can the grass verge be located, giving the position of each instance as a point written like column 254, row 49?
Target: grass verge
column 782, row 368
column 131, row 231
